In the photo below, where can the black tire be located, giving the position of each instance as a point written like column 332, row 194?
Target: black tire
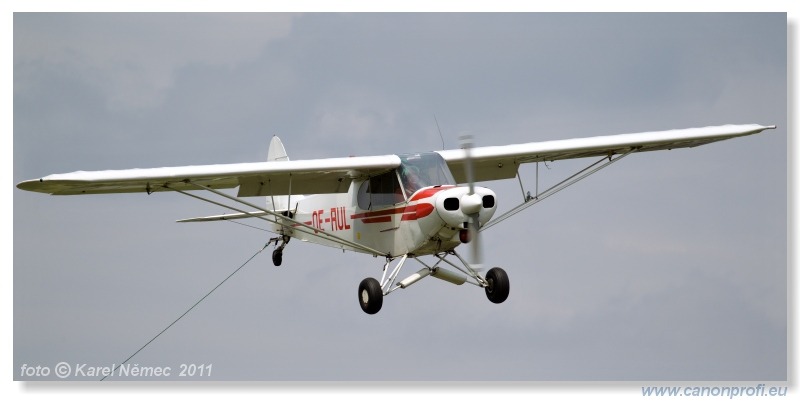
column 370, row 296
column 277, row 257
column 498, row 288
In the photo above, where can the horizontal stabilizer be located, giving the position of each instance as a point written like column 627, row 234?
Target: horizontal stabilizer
column 224, row 217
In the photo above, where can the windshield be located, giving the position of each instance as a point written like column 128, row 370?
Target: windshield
column 422, row 170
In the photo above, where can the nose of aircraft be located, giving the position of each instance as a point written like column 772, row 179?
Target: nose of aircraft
column 455, row 205
column 471, row 203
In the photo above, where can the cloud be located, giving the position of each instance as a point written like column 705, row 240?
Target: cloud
column 133, row 59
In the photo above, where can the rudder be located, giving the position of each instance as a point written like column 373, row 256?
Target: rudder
column 277, row 152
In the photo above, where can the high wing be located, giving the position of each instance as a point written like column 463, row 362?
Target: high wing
column 332, row 175
column 501, row 162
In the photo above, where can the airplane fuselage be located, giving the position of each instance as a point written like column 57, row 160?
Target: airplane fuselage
column 399, row 212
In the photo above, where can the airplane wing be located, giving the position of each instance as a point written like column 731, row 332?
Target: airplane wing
column 334, row 175
column 501, row 162
column 331, row 175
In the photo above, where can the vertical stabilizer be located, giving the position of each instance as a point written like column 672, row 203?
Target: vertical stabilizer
column 277, row 152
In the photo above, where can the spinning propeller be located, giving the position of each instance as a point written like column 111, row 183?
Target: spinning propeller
column 471, row 205
column 496, row 280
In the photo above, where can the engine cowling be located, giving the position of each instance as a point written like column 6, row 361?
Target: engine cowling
column 455, row 205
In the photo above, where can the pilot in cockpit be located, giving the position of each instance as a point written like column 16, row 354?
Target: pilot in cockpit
column 411, row 180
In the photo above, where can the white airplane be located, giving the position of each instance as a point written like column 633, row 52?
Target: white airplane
column 394, row 206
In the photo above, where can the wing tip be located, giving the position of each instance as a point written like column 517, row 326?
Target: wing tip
column 32, row 185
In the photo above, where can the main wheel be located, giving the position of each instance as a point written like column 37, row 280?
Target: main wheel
column 277, row 257
column 370, row 296
column 497, row 290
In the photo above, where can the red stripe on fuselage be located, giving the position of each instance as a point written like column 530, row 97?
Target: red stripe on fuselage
column 378, row 213
column 412, row 212
column 385, row 218
column 417, row 211
column 426, row 193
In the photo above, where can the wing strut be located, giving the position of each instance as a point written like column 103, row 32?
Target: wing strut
column 279, row 219
column 577, row 177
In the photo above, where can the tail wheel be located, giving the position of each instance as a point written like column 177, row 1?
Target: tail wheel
column 498, row 288
column 277, row 256
column 370, row 296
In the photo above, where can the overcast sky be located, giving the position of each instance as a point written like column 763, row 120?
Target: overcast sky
column 667, row 266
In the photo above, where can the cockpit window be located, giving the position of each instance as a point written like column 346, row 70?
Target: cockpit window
column 422, row 170
column 416, row 171
column 380, row 191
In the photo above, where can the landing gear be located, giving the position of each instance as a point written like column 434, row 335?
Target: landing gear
column 371, row 291
column 498, row 285
column 277, row 256
column 370, row 296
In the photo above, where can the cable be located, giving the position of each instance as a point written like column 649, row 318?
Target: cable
column 250, row 226
column 184, row 314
